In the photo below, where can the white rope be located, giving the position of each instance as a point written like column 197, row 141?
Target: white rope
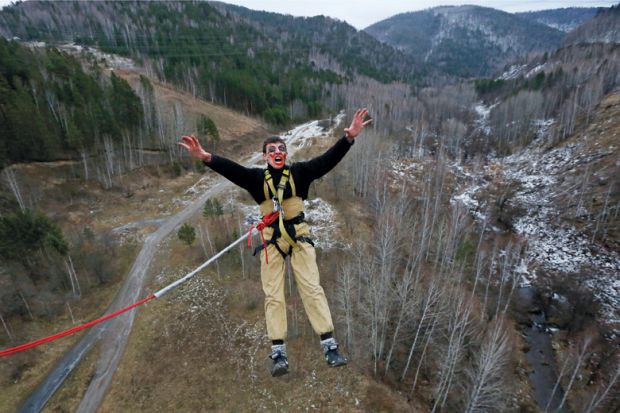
column 180, row 281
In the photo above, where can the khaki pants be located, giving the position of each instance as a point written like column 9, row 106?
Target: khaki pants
column 306, row 273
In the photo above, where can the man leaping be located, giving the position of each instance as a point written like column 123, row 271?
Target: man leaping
column 283, row 188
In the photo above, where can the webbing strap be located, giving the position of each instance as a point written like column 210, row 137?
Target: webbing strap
column 291, row 182
column 279, row 194
column 269, row 185
column 281, row 187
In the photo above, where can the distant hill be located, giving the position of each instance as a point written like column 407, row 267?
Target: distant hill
column 465, row 41
column 565, row 19
column 602, row 28
column 340, row 43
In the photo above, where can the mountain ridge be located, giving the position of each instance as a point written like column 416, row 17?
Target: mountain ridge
column 564, row 19
column 465, row 40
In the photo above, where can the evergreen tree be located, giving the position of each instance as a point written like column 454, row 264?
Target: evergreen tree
column 187, row 234
column 212, row 208
column 23, row 233
column 206, row 127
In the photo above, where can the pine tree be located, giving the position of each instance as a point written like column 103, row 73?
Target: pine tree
column 187, row 234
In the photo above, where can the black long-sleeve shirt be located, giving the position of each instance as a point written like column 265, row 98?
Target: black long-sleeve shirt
column 252, row 179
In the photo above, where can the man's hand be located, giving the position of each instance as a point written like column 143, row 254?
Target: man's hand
column 194, row 149
column 357, row 124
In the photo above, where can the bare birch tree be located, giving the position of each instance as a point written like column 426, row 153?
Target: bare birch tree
column 9, row 175
column 488, row 391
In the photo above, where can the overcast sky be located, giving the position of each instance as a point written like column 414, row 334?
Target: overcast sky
column 363, row 13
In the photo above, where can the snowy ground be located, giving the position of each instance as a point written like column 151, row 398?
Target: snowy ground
column 474, row 183
column 111, row 61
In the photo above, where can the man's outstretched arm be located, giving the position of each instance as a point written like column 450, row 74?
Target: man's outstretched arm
column 319, row 166
column 239, row 175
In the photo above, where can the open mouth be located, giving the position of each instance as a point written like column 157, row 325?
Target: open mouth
column 278, row 159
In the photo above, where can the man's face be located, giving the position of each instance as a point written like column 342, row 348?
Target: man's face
column 275, row 154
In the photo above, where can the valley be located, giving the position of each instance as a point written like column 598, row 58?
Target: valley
column 468, row 243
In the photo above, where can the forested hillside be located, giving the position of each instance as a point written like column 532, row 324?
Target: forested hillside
column 276, row 67
column 336, row 46
column 565, row 19
column 465, row 41
column 559, row 87
column 603, row 28
column 51, row 108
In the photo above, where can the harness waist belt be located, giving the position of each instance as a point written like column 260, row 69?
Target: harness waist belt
column 287, row 222
column 275, row 244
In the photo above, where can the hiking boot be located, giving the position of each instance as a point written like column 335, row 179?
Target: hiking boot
column 280, row 360
column 332, row 356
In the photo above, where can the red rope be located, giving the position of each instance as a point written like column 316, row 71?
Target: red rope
column 13, row 350
column 266, row 221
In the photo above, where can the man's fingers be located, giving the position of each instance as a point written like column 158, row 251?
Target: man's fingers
column 369, row 121
column 183, row 145
column 187, row 139
column 361, row 114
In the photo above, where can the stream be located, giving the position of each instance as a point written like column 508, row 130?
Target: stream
column 540, row 356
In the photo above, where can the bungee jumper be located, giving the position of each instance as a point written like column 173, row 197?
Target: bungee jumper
column 279, row 190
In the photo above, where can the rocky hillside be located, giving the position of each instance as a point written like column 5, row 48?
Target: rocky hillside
column 465, row 40
column 563, row 201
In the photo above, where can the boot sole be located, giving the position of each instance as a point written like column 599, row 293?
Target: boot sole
column 344, row 363
column 279, row 372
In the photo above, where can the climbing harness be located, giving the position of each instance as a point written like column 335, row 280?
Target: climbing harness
column 277, row 197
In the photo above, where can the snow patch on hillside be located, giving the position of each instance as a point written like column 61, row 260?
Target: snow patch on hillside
column 542, row 127
column 324, row 223
column 112, row 61
column 513, row 72
column 484, row 111
column 552, row 243
column 300, row 136
column 535, row 71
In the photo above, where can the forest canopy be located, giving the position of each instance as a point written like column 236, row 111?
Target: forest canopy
column 50, row 107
